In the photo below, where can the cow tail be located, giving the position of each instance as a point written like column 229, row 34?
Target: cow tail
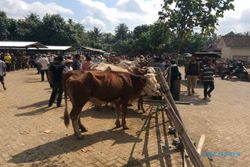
column 66, row 113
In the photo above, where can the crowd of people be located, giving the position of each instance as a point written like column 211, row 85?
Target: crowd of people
column 16, row 61
column 52, row 68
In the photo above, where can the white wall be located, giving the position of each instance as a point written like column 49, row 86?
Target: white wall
column 226, row 52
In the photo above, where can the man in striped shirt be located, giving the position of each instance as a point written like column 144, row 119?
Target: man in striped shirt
column 207, row 73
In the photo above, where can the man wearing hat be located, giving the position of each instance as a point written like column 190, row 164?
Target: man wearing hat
column 68, row 65
column 56, row 78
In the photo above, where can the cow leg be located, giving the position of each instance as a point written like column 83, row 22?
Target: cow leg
column 140, row 104
column 117, row 114
column 124, row 113
column 81, row 126
column 74, row 115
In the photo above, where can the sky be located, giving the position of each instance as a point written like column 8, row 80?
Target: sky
column 107, row 14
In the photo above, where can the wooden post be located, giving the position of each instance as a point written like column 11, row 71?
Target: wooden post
column 177, row 121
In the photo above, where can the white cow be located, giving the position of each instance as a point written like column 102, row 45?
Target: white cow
column 152, row 86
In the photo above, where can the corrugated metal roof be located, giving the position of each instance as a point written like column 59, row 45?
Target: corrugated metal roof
column 58, row 47
column 20, row 44
column 94, row 50
column 51, row 48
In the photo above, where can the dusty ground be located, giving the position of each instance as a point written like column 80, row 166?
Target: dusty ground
column 224, row 119
column 34, row 135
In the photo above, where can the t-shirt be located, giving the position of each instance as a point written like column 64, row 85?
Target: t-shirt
column 86, row 65
column 193, row 69
column 7, row 58
column 208, row 73
column 2, row 67
column 76, row 64
column 56, row 70
column 44, row 61
column 175, row 73
column 67, row 69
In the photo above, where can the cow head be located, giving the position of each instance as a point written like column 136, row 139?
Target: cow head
column 152, row 86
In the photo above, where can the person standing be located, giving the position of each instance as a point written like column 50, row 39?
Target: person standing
column 37, row 64
column 87, row 63
column 68, row 66
column 2, row 73
column 207, row 73
column 7, row 59
column 44, row 62
column 76, row 62
column 192, row 73
column 175, row 77
column 56, row 77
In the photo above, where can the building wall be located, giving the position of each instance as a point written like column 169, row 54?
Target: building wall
column 226, row 52
column 241, row 53
column 233, row 53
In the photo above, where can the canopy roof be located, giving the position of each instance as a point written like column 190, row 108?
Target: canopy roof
column 20, row 44
column 93, row 49
column 53, row 48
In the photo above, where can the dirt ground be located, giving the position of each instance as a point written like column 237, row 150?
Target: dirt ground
column 34, row 135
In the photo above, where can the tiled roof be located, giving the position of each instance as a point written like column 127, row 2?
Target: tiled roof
column 237, row 41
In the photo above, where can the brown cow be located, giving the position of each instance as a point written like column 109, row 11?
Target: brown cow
column 116, row 87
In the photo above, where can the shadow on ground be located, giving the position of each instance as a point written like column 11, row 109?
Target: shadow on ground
column 35, row 112
column 70, row 144
column 106, row 112
column 163, row 154
column 36, row 104
column 40, row 108
column 194, row 99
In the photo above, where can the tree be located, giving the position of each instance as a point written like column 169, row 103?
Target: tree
column 31, row 27
column 122, row 32
column 139, row 30
column 55, row 31
column 192, row 14
column 3, row 26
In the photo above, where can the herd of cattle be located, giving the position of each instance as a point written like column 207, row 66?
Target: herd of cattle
column 118, row 84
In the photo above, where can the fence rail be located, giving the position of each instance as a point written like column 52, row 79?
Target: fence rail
column 174, row 116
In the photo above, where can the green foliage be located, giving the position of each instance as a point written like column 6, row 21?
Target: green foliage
column 50, row 30
column 157, row 38
column 188, row 15
column 121, row 32
column 3, row 26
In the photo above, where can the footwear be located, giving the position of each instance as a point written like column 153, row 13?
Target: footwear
column 209, row 95
column 193, row 91
column 4, row 88
column 205, row 98
column 50, row 104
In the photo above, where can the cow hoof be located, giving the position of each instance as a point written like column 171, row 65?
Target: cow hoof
column 117, row 126
column 79, row 136
column 125, row 128
column 83, row 130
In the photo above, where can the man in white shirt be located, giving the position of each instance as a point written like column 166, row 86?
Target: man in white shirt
column 2, row 73
column 44, row 62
